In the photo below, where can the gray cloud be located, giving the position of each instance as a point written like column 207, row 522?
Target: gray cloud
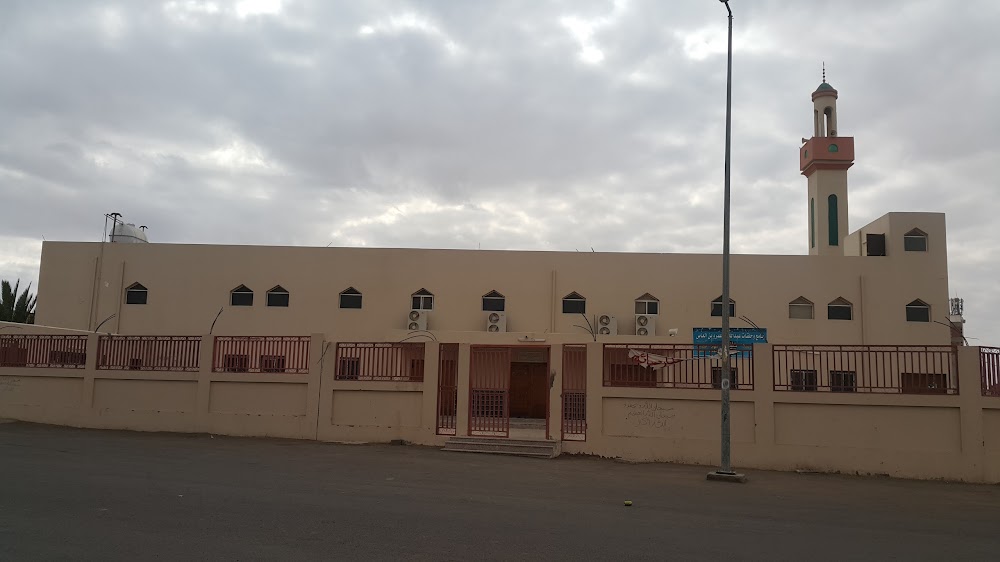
column 554, row 125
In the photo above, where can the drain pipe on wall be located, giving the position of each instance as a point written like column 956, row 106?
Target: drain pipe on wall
column 552, row 305
column 861, row 307
column 121, row 297
column 93, row 294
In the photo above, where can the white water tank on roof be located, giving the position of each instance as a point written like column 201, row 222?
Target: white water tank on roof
column 128, row 234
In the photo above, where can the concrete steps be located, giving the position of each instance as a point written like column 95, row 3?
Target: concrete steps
column 501, row 446
column 527, row 423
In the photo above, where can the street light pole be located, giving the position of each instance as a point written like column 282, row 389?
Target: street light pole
column 725, row 471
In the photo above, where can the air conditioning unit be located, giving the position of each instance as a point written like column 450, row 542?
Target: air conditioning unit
column 417, row 320
column 496, row 322
column 607, row 325
column 645, row 324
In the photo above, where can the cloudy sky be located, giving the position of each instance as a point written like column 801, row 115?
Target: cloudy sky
column 494, row 124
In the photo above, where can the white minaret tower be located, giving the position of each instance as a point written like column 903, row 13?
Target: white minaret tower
column 824, row 160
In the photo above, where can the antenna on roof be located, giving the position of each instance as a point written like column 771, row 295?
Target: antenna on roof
column 114, row 222
column 824, row 71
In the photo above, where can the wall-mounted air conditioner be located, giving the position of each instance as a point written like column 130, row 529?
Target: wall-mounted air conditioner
column 417, row 320
column 607, row 325
column 645, row 324
column 496, row 321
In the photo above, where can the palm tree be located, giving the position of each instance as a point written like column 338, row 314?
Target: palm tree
column 14, row 307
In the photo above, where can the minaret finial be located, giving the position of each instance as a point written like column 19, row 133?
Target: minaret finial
column 824, row 71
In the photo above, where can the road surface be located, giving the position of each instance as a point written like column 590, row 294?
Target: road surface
column 72, row 494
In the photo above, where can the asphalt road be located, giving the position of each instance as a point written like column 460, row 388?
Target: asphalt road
column 70, row 494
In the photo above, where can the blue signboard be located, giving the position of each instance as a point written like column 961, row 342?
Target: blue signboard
column 707, row 340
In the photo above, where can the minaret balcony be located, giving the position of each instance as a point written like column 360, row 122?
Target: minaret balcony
column 826, row 153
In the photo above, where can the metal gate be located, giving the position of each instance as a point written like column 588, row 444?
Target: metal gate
column 489, row 391
column 574, row 393
column 447, row 402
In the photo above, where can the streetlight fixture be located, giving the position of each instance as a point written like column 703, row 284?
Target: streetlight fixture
column 725, row 472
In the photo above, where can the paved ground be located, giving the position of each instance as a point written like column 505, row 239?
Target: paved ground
column 80, row 494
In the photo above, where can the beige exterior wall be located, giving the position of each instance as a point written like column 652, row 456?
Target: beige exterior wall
column 915, row 436
column 248, row 404
column 82, row 284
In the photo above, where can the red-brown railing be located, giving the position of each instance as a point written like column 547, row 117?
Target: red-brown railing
column 149, row 353
column 989, row 370
column 261, row 354
column 447, row 400
column 893, row 369
column 688, row 366
column 43, row 351
column 402, row 362
column 489, row 391
column 574, row 393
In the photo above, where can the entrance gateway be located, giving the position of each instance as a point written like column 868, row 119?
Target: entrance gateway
column 509, row 391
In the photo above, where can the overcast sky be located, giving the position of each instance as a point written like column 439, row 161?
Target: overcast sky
column 493, row 124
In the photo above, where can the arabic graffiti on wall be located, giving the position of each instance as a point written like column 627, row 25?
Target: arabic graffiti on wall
column 647, row 413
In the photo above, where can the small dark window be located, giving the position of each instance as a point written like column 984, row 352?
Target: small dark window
column 803, row 380
column 348, row 368
column 57, row 357
column 136, row 294
column 574, row 303
column 915, row 241
column 833, row 218
column 350, row 298
column 875, row 244
column 843, row 381
column 233, row 363
column 494, row 302
column 629, row 375
column 918, row 311
column 241, row 296
column 717, row 378
column 647, row 304
column 717, row 307
column 13, row 355
column 812, row 223
column 647, row 307
column 422, row 300
column 839, row 309
column 272, row 363
column 923, row 383
column 416, row 372
column 801, row 308
column 277, row 296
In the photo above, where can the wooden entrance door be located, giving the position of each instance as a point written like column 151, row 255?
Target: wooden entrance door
column 528, row 390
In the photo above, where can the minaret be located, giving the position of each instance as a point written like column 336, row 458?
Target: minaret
column 824, row 160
